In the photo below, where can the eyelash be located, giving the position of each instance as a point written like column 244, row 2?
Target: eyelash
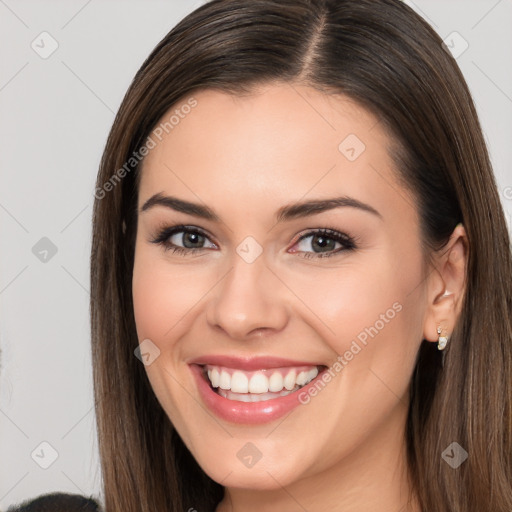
column 165, row 233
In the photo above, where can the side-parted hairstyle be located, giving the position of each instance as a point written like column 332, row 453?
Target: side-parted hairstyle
column 383, row 55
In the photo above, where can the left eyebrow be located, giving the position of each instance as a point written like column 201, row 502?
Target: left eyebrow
column 304, row 209
column 288, row 212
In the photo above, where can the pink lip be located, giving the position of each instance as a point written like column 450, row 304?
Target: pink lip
column 247, row 412
column 250, row 363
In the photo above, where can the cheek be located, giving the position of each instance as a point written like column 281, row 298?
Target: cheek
column 163, row 294
column 369, row 309
column 350, row 299
column 152, row 302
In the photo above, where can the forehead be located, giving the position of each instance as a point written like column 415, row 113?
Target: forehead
column 280, row 143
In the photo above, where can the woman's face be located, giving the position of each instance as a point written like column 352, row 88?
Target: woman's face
column 261, row 301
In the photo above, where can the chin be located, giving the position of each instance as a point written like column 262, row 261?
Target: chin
column 263, row 478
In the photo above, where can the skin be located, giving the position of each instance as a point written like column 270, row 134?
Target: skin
column 246, row 157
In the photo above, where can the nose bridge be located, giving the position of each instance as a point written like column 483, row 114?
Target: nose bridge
column 248, row 298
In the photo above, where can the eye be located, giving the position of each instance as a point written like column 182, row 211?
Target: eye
column 188, row 240
column 182, row 239
column 324, row 242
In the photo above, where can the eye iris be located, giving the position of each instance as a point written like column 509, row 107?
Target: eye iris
column 194, row 238
column 323, row 242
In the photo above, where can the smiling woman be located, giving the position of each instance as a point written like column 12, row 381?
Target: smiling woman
column 298, row 293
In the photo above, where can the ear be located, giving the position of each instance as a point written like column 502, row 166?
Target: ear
column 446, row 285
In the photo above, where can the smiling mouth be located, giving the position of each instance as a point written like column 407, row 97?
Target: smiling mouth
column 261, row 385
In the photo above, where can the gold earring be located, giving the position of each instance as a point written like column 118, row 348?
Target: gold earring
column 443, row 340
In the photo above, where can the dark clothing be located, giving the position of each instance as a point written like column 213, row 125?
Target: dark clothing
column 57, row 502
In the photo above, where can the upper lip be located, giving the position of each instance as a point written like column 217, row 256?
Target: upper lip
column 250, row 363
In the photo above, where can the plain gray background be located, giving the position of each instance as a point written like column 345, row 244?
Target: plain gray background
column 55, row 114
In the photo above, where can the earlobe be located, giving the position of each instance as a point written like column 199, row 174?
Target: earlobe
column 446, row 288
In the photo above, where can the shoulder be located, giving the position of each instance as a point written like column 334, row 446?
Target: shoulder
column 57, row 502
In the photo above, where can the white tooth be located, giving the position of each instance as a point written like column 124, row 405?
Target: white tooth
column 247, row 397
column 258, row 383
column 239, row 382
column 275, row 383
column 289, row 380
column 225, row 380
column 215, row 377
column 302, row 378
column 312, row 374
column 269, row 396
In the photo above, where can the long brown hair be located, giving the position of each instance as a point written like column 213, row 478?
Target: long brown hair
column 383, row 55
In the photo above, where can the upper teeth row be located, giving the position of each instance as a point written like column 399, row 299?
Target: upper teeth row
column 257, row 382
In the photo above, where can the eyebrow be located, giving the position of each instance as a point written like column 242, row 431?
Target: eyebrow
column 288, row 212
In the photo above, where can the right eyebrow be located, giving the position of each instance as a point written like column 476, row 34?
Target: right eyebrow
column 181, row 206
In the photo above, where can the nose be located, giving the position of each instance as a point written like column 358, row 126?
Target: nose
column 249, row 302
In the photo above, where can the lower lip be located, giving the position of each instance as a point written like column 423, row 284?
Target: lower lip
column 252, row 413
